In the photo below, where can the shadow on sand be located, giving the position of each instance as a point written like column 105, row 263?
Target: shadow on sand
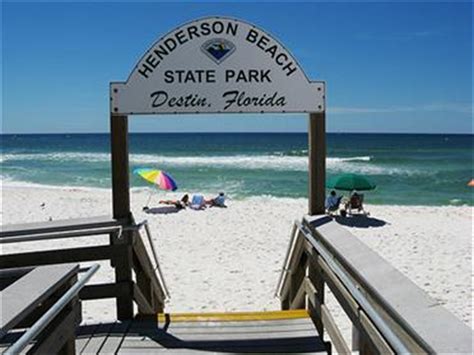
column 161, row 210
column 360, row 221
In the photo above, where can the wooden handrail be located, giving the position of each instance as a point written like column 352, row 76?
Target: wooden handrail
column 54, row 311
column 126, row 251
column 59, row 235
column 8, row 230
column 328, row 255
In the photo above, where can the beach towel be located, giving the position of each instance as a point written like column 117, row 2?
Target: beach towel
column 197, row 202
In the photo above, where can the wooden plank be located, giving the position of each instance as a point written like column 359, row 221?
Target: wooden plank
column 83, row 335
column 59, row 256
column 334, row 333
column 57, row 334
column 298, row 252
column 234, row 316
column 97, row 339
column 144, row 307
column 115, row 337
column 234, row 346
column 314, row 309
column 144, row 295
column 240, row 332
column 9, row 276
column 274, row 325
column 58, row 226
column 23, row 296
column 317, row 163
column 59, row 235
column 122, row 263
column 100, row 291
column 231, row 320
column 376, row 338
column 315, row 280
column 293, row 264
column 398, row 329
column 310, row 290
column 34, row 315
column 298, row 301
column 206, row 333
column 343, row 296
column 144, row 334
column 14, row 273
column 278, row 336
column 284, row 271
column 352, row 310
column 120, row 166
column 142, row 263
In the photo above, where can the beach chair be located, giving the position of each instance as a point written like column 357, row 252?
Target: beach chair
column 356, row 202
column 197, row 202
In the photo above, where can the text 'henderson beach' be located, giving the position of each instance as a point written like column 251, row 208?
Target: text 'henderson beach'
column 204, row 29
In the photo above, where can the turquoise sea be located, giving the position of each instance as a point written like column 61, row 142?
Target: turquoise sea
column 409, row 169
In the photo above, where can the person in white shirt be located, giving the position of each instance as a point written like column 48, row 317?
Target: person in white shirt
column 332, row 201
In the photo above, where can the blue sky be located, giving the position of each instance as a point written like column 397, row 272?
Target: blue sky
column 389, row 67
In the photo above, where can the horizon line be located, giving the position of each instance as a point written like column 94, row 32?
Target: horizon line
column 236, row 132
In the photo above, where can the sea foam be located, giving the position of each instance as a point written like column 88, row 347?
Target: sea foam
column 279, row 162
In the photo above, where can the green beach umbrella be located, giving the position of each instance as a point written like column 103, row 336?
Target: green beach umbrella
column 349, row 182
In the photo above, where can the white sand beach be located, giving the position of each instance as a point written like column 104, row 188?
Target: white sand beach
column 230, row 259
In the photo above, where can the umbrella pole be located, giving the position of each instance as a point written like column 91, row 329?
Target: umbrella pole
column 149, row 198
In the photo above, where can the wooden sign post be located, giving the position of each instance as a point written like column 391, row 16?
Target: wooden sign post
column 317, row 163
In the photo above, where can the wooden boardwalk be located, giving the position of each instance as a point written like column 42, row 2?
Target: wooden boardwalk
column 261, row 332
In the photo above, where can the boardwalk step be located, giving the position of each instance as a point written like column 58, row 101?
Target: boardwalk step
column 241, row 332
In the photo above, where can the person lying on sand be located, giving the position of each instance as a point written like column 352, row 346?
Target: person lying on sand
column 218, row 201
column 179, row 204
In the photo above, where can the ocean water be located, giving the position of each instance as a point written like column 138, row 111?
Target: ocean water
column 408, row 169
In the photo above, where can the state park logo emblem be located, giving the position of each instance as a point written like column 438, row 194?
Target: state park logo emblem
column 218, row 49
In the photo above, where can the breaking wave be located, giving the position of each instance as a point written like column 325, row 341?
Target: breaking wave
column 356, row 164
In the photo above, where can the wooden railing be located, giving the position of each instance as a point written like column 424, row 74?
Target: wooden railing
column 135, row 275
column 41, row 309
column 389, row 314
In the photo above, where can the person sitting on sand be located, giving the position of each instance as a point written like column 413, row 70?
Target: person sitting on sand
column 332, row 202
column 179, row 204
column 356, row 203
column 218, row 201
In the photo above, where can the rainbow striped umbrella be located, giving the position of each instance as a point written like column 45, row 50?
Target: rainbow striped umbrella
column 158, row 177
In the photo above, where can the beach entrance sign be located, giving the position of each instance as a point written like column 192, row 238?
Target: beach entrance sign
column 217, row 65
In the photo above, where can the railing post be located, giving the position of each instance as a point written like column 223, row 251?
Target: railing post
column 122, row 263
column 315, row 275
column 317, row 163
column 355, row 338
column 120, row 166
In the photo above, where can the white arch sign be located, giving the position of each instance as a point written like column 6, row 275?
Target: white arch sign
column 217, row 65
